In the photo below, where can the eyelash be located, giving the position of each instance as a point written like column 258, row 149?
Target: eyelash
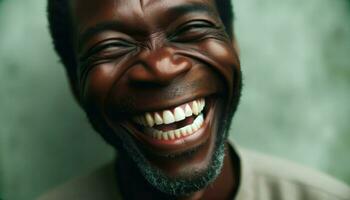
column 115, row 43
column 104, row 49
column 189, row 26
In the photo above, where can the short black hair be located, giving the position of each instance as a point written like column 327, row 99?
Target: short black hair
column 60, row 26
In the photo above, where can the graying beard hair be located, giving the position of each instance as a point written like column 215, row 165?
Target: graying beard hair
column 178, row 186
column 123, row 142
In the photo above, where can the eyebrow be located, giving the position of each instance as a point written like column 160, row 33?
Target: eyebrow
column 191, row 8
column 100, row 27
column 120, row 26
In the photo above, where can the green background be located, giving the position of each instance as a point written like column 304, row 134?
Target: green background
column 296, row 99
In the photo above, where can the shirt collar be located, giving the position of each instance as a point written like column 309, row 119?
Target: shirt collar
column 246, row 190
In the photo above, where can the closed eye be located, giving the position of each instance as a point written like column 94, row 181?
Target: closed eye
column 110, row 46
column 192, row 30
column 103, row 52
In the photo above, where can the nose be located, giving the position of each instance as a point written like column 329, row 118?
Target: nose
column 158, row 67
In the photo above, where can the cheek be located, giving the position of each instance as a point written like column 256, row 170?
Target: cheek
column 219, row 51
column 97, row 85
column 227, row 63
column 223, row 54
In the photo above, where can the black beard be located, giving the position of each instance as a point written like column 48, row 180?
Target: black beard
column 126, row 146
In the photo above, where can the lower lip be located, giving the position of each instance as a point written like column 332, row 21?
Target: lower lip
column 177, row 145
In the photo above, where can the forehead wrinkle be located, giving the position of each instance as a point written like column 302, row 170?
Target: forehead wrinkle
column 123, row 7
column 129, row 9
column 140, row 14
column 171, row 3
column 175, row 8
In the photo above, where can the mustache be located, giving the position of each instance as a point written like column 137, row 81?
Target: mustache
column 130, row 103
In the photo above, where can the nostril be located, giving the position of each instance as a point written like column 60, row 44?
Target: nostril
column 158, row 68
column 142, row 77
column 138, row 73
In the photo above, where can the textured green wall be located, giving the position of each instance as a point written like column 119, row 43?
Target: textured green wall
column 295, row 59
column 295, row 56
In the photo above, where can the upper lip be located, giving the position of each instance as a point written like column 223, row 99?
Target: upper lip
column 166, row 104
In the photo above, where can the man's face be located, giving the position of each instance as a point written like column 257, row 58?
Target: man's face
column 159, row 76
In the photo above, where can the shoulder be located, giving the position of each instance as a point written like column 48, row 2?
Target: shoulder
column 99, row 184
column 280, row 178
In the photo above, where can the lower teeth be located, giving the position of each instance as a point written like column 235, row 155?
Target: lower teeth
column 177, row 133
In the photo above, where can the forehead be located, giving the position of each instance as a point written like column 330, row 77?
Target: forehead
column 136, row 12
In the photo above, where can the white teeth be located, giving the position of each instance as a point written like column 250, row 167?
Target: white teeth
column 149, row 120
column 177, row 133
column 159, row 135
column 195, row 108
column 188, row 111
column 200, row 119
column 183, row 131
column 179, row 114
column 158, row 119
column 171, row 135
column 195, row 126
column 168, row 117
column 165, row 136
column 189, row 129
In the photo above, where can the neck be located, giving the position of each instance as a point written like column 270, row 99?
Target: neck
column 223, row 187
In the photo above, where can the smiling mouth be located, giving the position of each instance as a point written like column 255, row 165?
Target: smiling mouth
column 173, row 124
column 176, row 129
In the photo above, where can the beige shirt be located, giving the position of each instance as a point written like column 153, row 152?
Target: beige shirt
column 267, row 178
column 262, row 178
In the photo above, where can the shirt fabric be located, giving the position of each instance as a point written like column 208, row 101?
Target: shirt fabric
column 262, row 178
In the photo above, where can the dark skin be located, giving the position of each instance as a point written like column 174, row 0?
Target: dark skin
column 141, row 56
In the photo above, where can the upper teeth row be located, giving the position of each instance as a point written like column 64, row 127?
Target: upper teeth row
column 177, row 133
column 170, row 116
